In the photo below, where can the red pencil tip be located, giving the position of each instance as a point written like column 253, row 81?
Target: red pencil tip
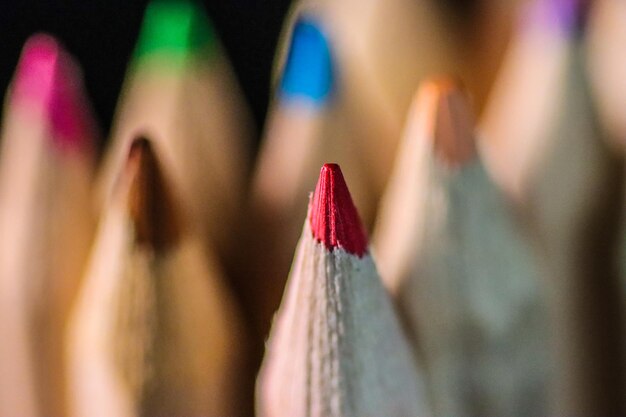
column 332, row 215
column 47, row 77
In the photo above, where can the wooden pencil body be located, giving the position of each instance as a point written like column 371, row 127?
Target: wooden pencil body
column 605, row 62
column 153, row 334
column 336, row 348
column 575, row 208
column 383, row 50
column 567, row 191
column 461, row 271
column 289, row 155
column 523, row 102
column 191, row 108
column 298, row 140
column 470, row 297
column 47, row 225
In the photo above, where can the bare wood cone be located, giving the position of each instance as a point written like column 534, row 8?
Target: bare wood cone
column 155, row 331
column 459, row 268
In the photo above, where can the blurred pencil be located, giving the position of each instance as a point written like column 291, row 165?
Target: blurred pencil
column 553, row 158
column 179, row 88
column 576, row 211
column 301, row 133
column 382, row 49
column 461, row 272
column 338, row 129
column 605, row 40
column 295, row 128
column 155, row 332
column 524, row 100
column 481, row 31
column 336, row 348
column 46, row 170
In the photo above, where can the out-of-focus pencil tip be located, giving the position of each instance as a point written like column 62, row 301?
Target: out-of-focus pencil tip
column 308, row 72
column 565, row 16
column 333, row 218
column 48, row 78
column 174, row 28
column 150, row 207
column 446, row 110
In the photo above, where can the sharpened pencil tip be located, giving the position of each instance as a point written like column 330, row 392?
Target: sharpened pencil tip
column 48, row 78
column 308, row 72
column 445, row 106
column 149, row 204
column 333, row 217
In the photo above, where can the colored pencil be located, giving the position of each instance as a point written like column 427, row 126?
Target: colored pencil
column 456, row 261
column 524, row 100
column 336, row 347
column 46, row 223
column 180, row 89
column 554, row 160
column 481, row 32
column 155, row 331
column 302, row 131
column 159, row 282
column 383, row 49
column 575, row 210
column 606, row 34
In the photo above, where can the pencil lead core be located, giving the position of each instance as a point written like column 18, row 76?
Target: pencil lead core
column 333, row 217
column 449, row 116
column 48, row 78
column 149, row 203
column 308, row 73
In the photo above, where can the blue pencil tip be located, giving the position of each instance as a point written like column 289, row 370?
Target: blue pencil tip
column 308, row 72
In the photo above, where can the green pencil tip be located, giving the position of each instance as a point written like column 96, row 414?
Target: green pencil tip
column 175, row 28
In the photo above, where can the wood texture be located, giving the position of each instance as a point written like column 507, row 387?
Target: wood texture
column 336, row 347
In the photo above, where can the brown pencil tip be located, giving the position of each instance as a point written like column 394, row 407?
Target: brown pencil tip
column 333, row 217
column 447, row 112
column 149, row 204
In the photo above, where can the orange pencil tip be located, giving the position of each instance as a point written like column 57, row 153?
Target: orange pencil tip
column 447, row 111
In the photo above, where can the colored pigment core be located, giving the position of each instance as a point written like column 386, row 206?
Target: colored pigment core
column 333, row 217
column 308, row 71
column 150, row 205
column 47, row 78
column 175, row 28
column 448, row 115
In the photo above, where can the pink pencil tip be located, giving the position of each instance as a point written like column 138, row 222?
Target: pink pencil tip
column 48, row 78
column 333, row 217
column 35, row 71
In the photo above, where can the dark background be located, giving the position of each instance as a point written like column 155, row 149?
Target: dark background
column 101, row 35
